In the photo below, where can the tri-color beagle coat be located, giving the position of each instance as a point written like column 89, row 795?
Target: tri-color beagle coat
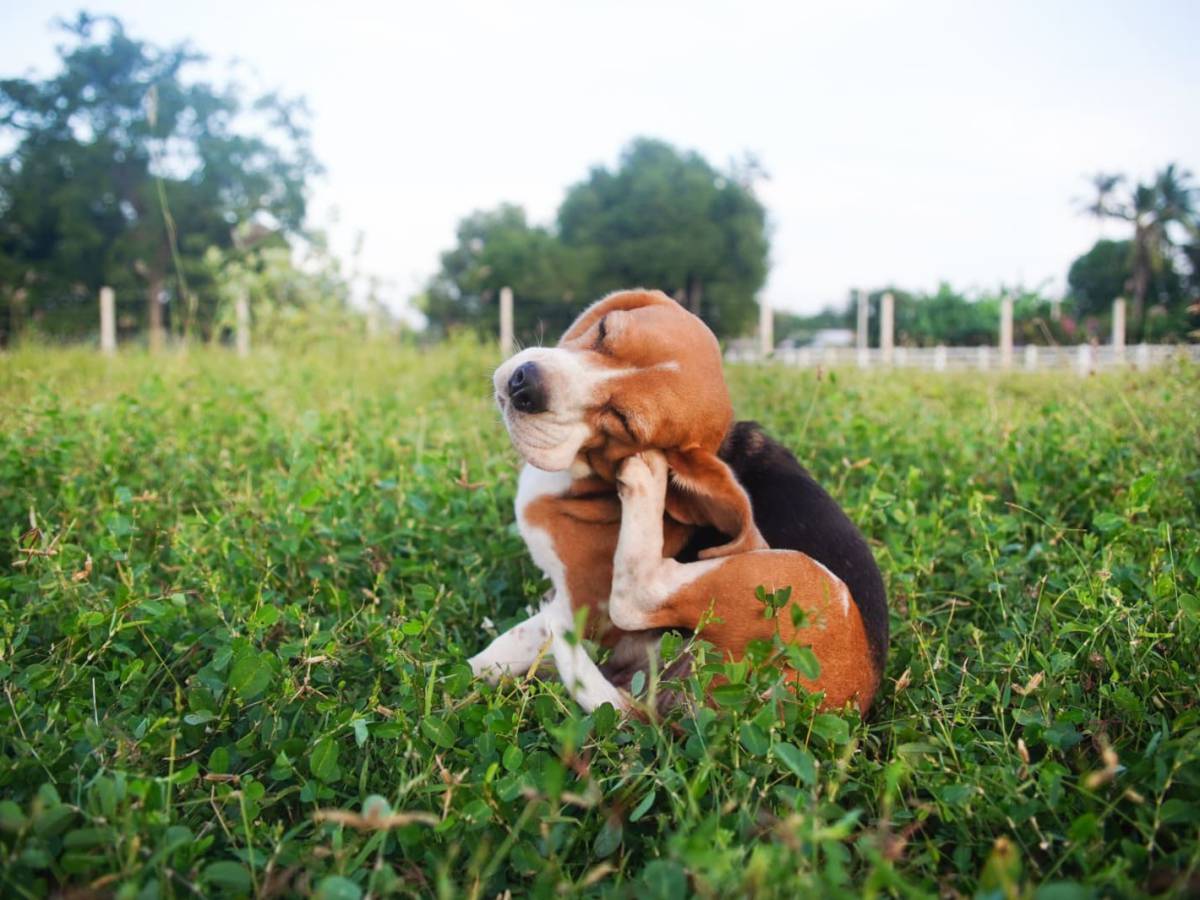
column 635, row 389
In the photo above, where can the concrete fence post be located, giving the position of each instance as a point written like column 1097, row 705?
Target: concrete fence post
column 766, row 327
column 1031, row 357
column 1083, row 359
column 1118, row 330
column 887, row 327
column 108, row 321
column 862, row 339
column 939, row 358
column 373, row 328
column 374, row 322
column 1006, row 333
column 1142, row 356
column 241, row 307
column 983, row 356
column 506, row 321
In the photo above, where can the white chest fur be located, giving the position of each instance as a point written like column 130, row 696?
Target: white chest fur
column 535, row 484
column 518, row 648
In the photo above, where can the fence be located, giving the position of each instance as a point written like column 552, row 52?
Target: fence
column 1082, row 358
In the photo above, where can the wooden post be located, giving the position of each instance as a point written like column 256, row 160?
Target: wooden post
column 108, row 321
column 1031, row 357
column 242, row 313
column 887, row 327
column 1006, row 333
column 766, row 327
column 1118, row 330
column 506, row 321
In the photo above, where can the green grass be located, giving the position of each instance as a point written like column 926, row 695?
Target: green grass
column 291, row 559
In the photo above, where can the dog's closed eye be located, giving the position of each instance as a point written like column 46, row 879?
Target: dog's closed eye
column 601, row 334
column 613, row 413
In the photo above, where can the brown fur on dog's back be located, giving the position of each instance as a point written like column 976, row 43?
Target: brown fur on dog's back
column 585, row 525
column 724, row 602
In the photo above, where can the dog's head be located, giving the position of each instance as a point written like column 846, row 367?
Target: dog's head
column 635, row 371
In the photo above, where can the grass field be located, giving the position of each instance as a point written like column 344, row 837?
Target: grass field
column 237, row 599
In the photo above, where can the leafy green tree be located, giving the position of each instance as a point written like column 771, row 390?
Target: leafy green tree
column 499, row 248
column 124, row 172
column 669, row 220
column 1101, row 275
column 946, row 317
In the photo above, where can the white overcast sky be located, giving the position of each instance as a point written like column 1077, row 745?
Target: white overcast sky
column 906, row 142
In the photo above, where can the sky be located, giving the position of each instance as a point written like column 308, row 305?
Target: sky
column 906, row 143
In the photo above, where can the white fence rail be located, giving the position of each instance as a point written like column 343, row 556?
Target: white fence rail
column 1081, row 358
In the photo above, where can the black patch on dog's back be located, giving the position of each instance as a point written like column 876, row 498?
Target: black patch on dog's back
column 793, row 512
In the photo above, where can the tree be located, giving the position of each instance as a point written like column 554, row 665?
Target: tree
column 1157, row 211
column 1100, row 276
column 499, row 248
column 669, row 220
column 662, row 220
column 124, row 172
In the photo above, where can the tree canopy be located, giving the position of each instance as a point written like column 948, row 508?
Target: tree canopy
column 1100, row 276
column 669, row 220
column 125, row 171
column 662, row 219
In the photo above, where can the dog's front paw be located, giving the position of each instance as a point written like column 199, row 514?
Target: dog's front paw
column 642, row 475
column 483, row 666
column 634, row 478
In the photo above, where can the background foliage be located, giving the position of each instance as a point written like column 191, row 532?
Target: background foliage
column 126, row 170
column 662, row 219
column 235, row 598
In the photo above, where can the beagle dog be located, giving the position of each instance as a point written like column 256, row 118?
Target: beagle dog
column 636, row 371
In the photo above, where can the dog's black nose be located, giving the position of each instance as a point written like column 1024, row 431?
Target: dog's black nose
column 525, row 389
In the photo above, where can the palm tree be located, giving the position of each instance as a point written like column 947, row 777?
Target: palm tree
column 1100, row 205
column 1155, row 210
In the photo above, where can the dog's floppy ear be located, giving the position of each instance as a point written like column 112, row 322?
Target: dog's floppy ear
column 706, row 492
column 613, row 302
